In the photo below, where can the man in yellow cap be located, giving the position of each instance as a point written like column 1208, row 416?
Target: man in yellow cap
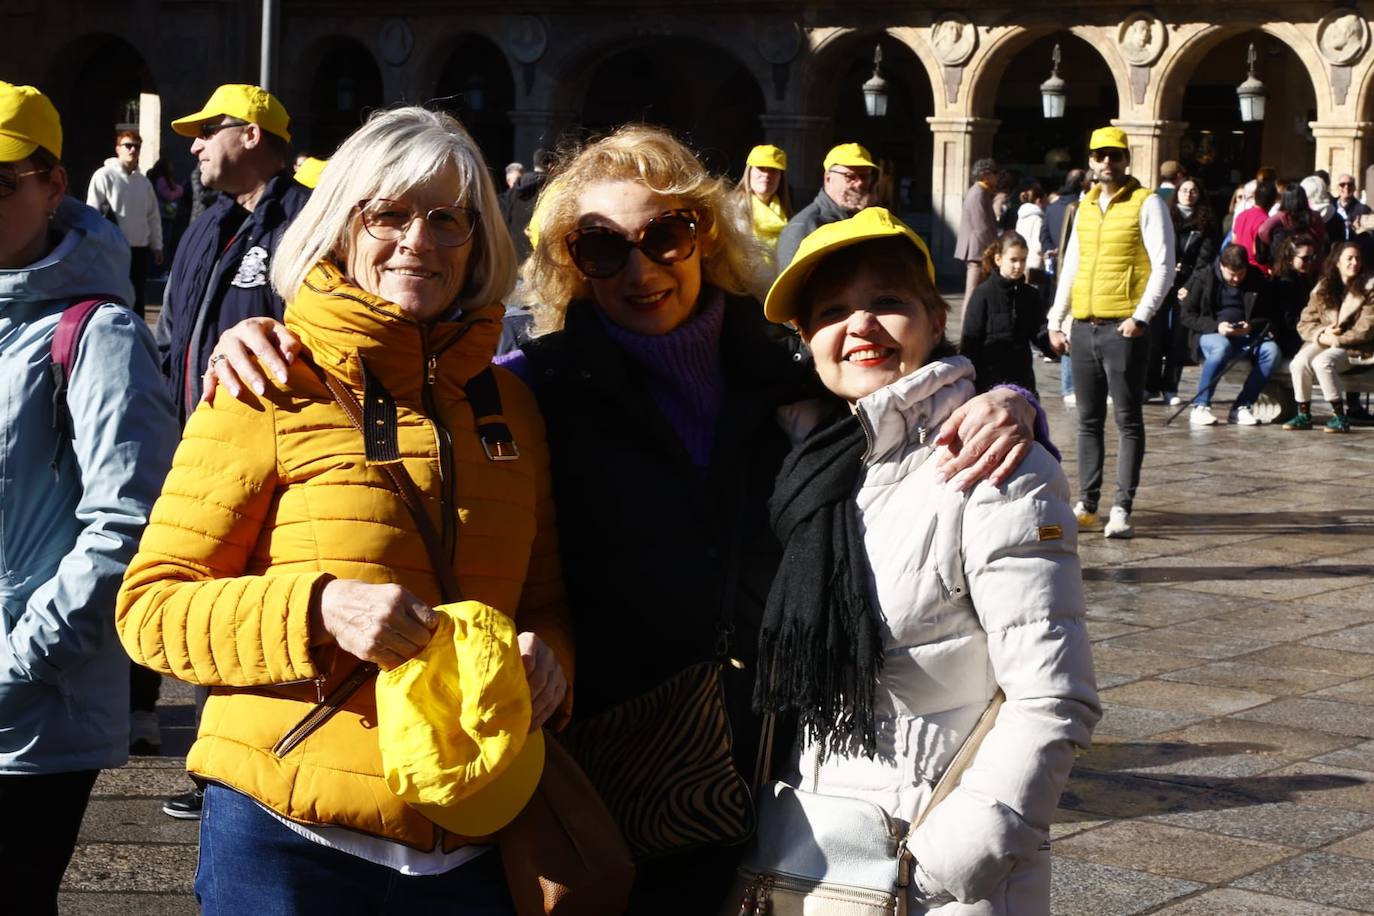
column 850, row 176
column 1117, row 268
column 241, row 140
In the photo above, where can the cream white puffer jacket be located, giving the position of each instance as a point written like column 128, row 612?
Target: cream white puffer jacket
column 976, row 590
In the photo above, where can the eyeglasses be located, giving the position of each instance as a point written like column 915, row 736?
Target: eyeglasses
column 388, row 220
column 1111, row 154
column 127, row 145
column 855, row 178
column 1345, row 184
column 601, row 252
column 208, row 129
column 9, row 179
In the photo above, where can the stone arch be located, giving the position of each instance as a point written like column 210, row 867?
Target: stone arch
column 838, row 63
column 1214, row 143
column 93, row 81
column 990, row 62
column 1181, row 61
column 700, row 89
column 339, row 84
column 471, row 78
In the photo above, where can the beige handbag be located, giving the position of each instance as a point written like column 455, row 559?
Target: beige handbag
column 830, row 855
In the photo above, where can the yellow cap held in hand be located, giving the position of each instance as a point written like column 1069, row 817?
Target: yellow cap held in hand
column 454, row 724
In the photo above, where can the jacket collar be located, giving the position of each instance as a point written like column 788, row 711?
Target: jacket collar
column 345, row 327
column 1124, row 193
column 911, row 408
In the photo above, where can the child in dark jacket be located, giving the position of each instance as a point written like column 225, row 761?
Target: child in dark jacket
column 1003, row 317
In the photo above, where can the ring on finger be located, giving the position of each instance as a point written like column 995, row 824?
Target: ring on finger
column 216, row 358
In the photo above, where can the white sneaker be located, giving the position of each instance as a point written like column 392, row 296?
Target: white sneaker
column 1070, row 400
column 1201, row 415
column 1172, row 398
column 145, row 737
column 1085, row 518
column 1244, row 416
column 1118, row 524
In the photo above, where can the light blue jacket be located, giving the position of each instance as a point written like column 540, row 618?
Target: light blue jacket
column 67, row 534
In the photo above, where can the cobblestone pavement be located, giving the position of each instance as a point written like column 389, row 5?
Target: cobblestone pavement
column 1233, row 771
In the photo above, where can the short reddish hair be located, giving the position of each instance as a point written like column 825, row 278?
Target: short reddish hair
column 127, row 135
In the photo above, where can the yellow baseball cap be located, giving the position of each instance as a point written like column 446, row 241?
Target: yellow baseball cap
column 1108, row 138
column 767, row 157
column 865, row 226
column 850, row 155
column 239, row 100
column 309, row 172
column 28, row 120
column 453, row 724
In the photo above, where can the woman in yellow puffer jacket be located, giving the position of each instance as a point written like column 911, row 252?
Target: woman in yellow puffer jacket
column 764, row 197
column 278, row 558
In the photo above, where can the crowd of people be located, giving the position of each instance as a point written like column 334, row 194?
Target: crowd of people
column 463, row 476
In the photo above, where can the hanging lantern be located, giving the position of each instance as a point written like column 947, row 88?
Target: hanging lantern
column 1053, row 91
column 875, row 89
column 1251, row 92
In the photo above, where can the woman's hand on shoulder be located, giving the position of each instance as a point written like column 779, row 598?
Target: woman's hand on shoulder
column 548, row 683
column 244, row 351
column 985, row 439
column 383, row 624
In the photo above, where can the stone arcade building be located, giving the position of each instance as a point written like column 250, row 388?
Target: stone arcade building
column 963, row 77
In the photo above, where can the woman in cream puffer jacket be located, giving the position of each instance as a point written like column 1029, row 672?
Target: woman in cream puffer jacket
column 961, row 594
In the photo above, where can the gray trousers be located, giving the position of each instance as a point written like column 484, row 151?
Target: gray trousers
column 1106, row 362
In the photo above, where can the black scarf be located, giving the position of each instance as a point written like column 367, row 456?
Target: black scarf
column 820, row 649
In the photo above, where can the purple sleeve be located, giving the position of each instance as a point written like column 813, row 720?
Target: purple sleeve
column 1042, row 423
column 516, row 362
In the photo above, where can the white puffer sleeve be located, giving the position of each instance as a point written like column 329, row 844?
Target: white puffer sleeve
column 1021, row 562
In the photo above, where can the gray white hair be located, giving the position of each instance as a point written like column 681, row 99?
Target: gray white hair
column 397, row 150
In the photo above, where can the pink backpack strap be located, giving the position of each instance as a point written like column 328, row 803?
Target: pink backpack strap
column 65, row 343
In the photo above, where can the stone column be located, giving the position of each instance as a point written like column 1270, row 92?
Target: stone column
column 1341, row 147
column 1152, row 142
column 803, row 138
column 959, row 142
column 535, row 129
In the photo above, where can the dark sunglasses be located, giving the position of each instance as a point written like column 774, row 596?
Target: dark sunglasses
column 9, row 179
column 127, row 145
column 1111, row 154
column 601, row 252
column 1345, row 184
column 388, row 220
column 208, row 129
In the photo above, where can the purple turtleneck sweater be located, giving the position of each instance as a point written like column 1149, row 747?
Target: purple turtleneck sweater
column 681, row 371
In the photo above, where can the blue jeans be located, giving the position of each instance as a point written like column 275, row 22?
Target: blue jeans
column 252, row 863
column 1065, row 375
column 1217, row 349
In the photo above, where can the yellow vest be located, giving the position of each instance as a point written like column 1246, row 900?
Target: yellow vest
column 768, row 219
column 1113, row 266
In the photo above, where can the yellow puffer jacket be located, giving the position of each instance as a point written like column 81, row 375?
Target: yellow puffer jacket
column 1113, row 265
column 270, row 498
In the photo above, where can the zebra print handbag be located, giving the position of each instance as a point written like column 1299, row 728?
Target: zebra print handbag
column 662, row 763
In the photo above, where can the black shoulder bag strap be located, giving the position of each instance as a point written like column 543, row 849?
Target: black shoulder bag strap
column 485, row 398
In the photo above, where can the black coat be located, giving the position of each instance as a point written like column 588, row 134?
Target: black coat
column 1199, row 310
column 518, row 205
column 1291, row 293
column 1001, row 321
column 1194, row 250
column 648, row 539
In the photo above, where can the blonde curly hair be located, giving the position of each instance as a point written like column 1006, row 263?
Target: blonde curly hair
column 731, row 258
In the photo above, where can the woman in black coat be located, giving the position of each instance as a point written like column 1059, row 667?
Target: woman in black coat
column 1195, row 246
